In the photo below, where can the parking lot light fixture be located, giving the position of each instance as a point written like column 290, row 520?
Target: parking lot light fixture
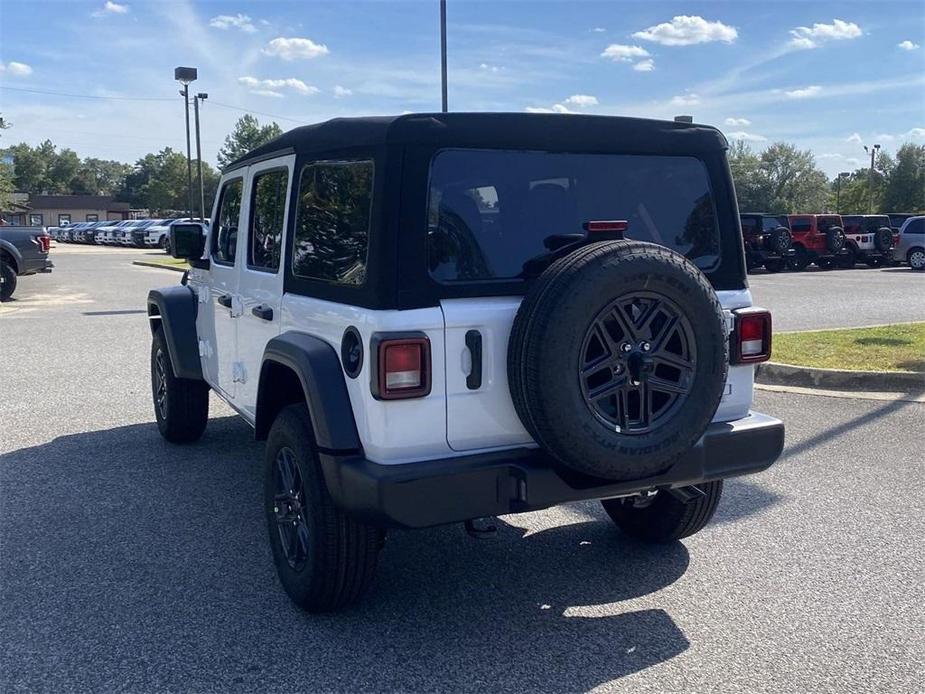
column 186, row 75
column 838, row 180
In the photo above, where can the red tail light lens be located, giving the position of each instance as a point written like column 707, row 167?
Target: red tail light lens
column 44, row 243
column 606, row 225
column 751, row 338
column 403, row 367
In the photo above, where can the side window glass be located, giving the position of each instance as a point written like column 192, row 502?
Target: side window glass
column 332, row 227
column 268, row 215
column 225, row 236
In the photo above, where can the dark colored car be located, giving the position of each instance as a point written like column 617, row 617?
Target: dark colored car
column 23, row 251
column 767, row 240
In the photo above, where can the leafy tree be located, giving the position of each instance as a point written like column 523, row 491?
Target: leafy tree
column 782, row 179
column 158, row 182
column 100, row 177
column 247, row 135
column 6, row 174
column 904, row 191
column 855, row 190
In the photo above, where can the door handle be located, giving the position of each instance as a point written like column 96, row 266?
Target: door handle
column 474, row 343
column 225, row 300
column 264, row 312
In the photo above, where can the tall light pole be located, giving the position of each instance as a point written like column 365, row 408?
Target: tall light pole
column 838, row 180
column 201, row 96
column 870, row 177
column 445, row 108
column 185, row 75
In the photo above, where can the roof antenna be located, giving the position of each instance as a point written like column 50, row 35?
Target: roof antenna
column 443, row 52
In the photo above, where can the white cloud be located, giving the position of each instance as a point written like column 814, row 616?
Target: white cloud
column 238, row 21
column 804, row 93
column 813, row 37
column 16, row 69
column 685, row 100
column 556, row 108
column 647, row 65
column 490, row 68
column 748, row 137
column 295, row 48
column 292, row 83
column 582, row 100
column 854, row 137
column 624, row 54
column 267, row 92
column 738, row 121
column 915, row 133
column 907, row 45
column 110, row 7
column 685, row 31
column 340, row 92
column 884, row 137
column 598, row 30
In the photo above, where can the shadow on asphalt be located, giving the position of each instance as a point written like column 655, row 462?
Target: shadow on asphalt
column 150, row 561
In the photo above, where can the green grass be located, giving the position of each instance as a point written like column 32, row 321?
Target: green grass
column 167, row 261
column 887, row 348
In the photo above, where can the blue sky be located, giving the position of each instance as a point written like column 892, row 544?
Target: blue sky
column 827, row 76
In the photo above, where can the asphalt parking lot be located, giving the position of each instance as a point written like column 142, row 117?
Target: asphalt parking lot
column 129, row 564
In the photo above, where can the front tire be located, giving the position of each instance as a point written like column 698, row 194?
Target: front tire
column 916, row 259
column 181, row 406
column 7, row 281
column 325, row 559
column 775, row 264
column 664, row 518
column 799, row 261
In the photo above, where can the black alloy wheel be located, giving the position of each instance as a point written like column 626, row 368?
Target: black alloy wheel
column 160, row 382
column 637, row 363
column 289, row 509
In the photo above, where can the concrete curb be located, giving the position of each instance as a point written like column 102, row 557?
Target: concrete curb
column 145, row 263
column 772, row 373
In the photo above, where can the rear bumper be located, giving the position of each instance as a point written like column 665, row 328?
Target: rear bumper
column 31, row 266
column 417, row 495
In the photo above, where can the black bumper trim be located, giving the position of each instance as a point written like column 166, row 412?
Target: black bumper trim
column 435, row 492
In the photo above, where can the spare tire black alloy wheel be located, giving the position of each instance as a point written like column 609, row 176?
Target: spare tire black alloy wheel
column 617, row 359
column 637, row 362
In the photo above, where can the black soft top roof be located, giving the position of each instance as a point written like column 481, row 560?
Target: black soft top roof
column 498, row 130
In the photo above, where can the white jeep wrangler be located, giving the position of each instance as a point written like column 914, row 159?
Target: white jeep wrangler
column 441, row 318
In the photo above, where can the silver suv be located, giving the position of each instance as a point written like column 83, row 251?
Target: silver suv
column 911, row 247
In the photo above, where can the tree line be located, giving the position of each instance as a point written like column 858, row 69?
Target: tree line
column 780, row 179
column 157, row 181
column 783, row 179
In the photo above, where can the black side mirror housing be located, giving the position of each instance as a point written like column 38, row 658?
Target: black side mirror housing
column 187, row 241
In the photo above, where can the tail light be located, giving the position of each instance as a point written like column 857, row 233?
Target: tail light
column 604, row 226
column 44, row 242
column 751, row 336
column 402, row 366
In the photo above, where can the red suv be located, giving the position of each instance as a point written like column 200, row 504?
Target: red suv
column 817, row 238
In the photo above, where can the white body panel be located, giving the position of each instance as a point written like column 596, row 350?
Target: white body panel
column 256, row 288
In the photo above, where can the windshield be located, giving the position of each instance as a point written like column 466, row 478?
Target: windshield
column 490, row 211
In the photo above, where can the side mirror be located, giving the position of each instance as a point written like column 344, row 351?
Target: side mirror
column 187, row 241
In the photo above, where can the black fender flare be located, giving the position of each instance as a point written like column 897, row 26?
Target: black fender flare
column 319, row 370
column 177, row 308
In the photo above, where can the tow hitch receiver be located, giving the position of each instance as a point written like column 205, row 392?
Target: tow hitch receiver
column 686, row 494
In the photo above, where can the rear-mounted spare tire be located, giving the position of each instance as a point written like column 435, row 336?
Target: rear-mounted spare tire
column 617, row 359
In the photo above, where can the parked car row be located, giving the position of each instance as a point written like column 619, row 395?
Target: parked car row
column 138, row 233
column 793, row 242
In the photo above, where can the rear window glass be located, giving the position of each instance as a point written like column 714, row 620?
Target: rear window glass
column 490, row 211
column 801, row 224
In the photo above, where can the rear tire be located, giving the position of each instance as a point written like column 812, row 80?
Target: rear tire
column 774, row 264
column 7, row 281
column 181, row 406
column 799, row 261
column 325, row 559
column 916, row 259
column 665, row 518
column 848, row 260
